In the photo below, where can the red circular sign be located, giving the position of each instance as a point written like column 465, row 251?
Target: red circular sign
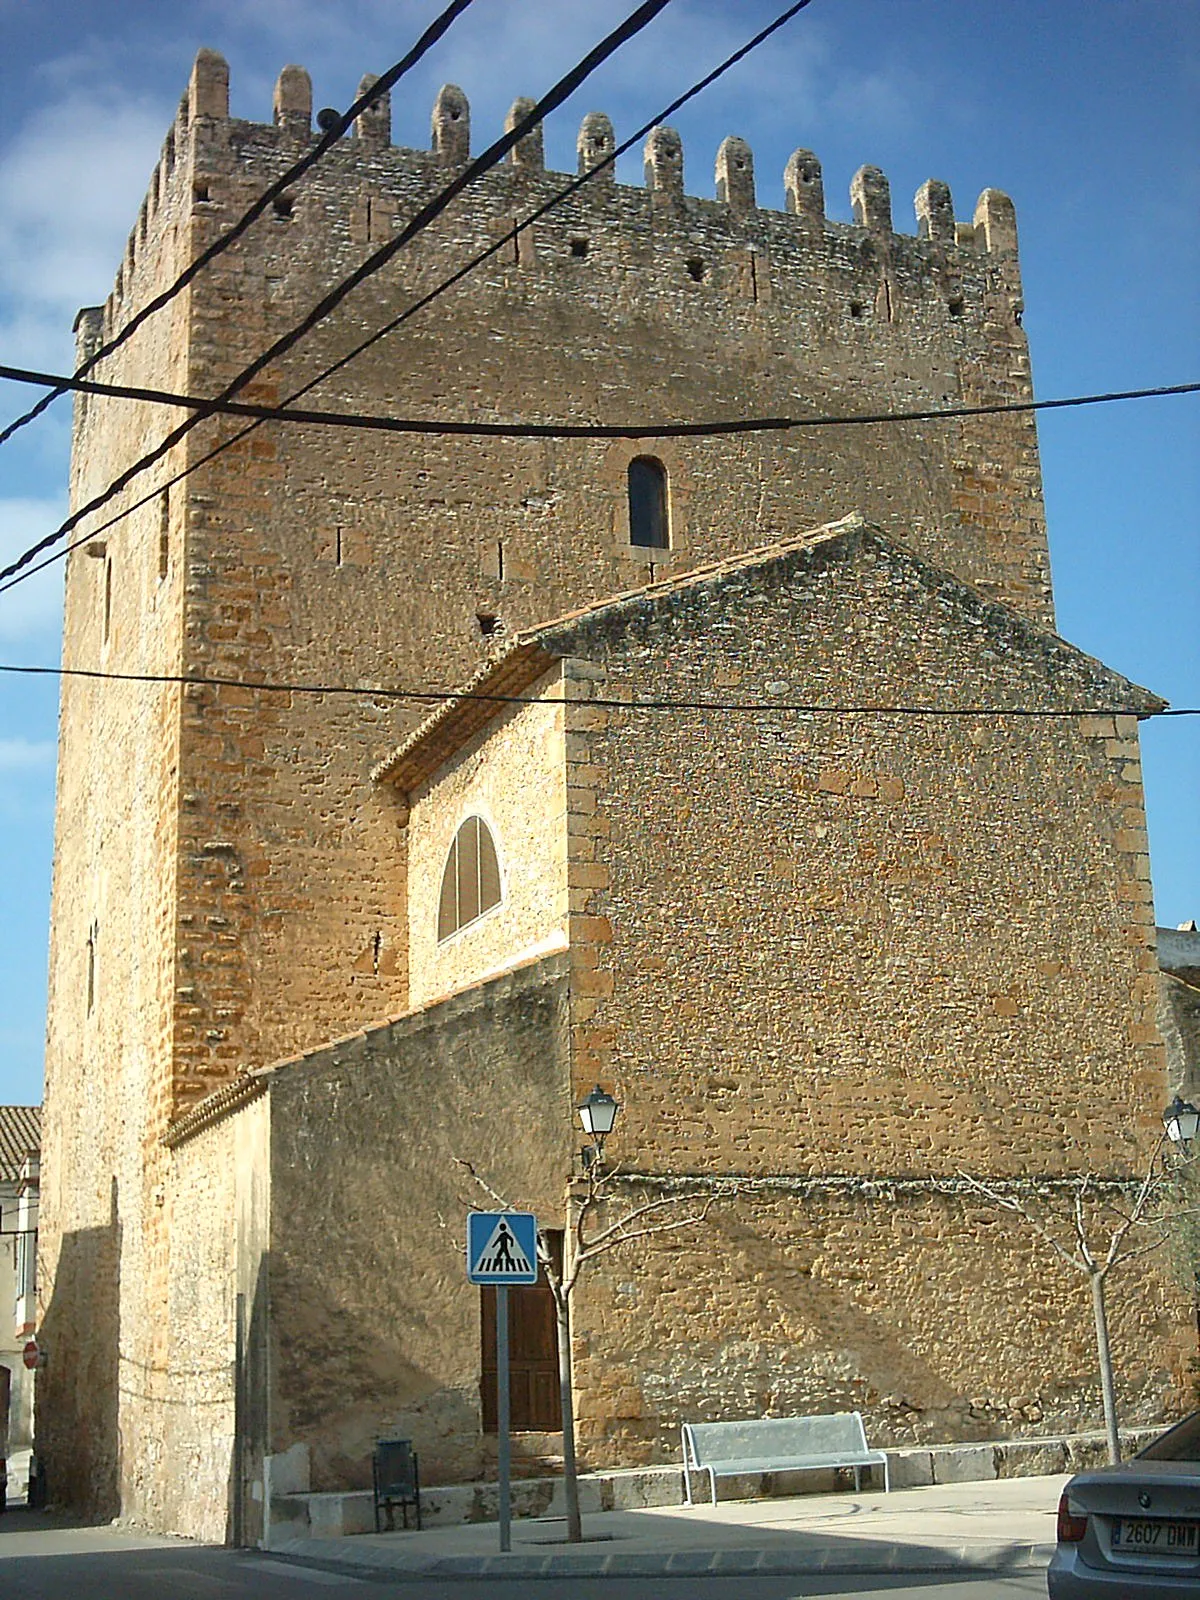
column 31, row 1355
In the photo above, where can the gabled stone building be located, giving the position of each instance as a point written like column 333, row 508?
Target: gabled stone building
column 704, row 842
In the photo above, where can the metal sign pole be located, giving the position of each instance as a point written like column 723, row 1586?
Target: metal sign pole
column 502, row 1415
column 502, row 1249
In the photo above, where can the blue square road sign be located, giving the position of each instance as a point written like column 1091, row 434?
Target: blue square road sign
column 502, row 1247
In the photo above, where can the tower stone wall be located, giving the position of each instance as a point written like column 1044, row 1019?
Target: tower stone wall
column 229, row 885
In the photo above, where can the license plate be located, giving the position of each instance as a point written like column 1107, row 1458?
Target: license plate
column 1155, row 1537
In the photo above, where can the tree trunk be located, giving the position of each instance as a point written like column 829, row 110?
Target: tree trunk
column 570, row 1469
column 1106, row 1369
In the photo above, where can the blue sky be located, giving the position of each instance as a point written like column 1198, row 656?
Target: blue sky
column 1086, row 111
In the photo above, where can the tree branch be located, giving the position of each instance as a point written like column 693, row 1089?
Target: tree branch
column 611, row 1243
column 641, row 1211
column 1012, row 1203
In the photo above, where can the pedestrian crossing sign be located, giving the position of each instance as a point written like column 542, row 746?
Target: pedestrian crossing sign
column 502, row 1247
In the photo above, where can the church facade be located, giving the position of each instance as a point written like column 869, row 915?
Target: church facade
column 744, row 775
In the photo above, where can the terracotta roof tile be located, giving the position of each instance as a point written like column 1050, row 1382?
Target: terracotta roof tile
column 20, row 1132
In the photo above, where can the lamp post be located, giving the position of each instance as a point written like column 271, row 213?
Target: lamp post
column 1182, row 1123
column 597, row 1113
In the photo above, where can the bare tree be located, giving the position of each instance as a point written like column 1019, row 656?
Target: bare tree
column 1103, row 1230
column 589, row 1235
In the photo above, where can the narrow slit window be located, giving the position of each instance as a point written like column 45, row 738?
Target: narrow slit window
column 90, row 973
column 648, row 517
column 470, row 878
column 164, row 535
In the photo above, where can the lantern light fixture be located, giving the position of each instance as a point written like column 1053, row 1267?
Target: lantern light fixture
column 1181, row 1121
column 598, row 1113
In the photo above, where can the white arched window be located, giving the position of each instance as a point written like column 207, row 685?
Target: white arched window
column 470, row 878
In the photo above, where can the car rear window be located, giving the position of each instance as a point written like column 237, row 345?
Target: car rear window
column 1182, row 1443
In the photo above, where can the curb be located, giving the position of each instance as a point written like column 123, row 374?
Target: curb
column 828, row 1560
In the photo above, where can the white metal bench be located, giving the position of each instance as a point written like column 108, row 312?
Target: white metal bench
column 777, row 1444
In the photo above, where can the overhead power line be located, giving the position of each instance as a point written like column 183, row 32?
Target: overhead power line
column 222, row 243
column 374, row 422
column 436, row 696
column 638, row 19
column 763, row 34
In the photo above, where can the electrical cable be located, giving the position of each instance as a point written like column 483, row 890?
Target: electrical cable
column 703, row 83
column 373, row 422
column 437, row 696
column 544, row 430
column 638, row 19
column 329, row 138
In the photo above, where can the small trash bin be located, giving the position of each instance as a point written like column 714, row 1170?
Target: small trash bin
column 396, row 1480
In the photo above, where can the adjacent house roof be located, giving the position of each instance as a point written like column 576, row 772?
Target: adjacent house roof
column 534, row 650
column 20, row 1132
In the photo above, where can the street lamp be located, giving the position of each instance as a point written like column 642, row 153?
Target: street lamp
column 1182, row 1121
column 598, row 1113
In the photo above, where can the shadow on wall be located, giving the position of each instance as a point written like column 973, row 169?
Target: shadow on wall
column 245, row 1495
column 76, row 1433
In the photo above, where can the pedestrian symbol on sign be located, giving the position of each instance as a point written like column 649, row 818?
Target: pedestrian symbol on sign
column 502, row 1247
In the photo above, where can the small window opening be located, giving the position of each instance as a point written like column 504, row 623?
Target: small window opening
column 376, row 951
column 500, row 559
column 857, row 308
column 107, row 597
column 488, row 624
column 1017, row 315
column 91, row 967
column 697, row 271
column 579, row 248
column 337, row 545
column 164, row 535
column 648, row 520
column 284, row 206
column 200, row 191
column 470, row 879
column 955, row 307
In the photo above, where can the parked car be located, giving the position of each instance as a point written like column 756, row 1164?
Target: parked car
column 1132, row 1532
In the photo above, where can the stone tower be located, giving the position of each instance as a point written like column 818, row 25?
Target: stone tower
column 229, row 886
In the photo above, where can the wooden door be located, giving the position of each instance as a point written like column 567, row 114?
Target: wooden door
column 535, row 1398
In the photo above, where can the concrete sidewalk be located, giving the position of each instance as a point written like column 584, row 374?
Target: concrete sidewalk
column 1004, row 1525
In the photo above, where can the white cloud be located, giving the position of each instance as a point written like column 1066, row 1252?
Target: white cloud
column 70, row 186
column 25, row 755
column 31, row 611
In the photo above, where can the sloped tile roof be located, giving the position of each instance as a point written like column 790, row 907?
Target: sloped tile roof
column 532, row 651
column 20, row 1132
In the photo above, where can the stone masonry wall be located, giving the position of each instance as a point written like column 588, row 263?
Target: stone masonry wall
column 223, row 863
column 861, row 945
column 109, row 1071
column 374, row 1326
column 936, row 1316
column 340, row 557
column 514, row 777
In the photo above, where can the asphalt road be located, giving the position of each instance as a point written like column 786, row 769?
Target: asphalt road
column 43, row 1558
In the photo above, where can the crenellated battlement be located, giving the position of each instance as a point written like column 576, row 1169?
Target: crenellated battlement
column 204, row 129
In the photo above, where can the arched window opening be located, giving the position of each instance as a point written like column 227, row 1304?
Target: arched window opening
column 648, row 522
column 470, row 879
